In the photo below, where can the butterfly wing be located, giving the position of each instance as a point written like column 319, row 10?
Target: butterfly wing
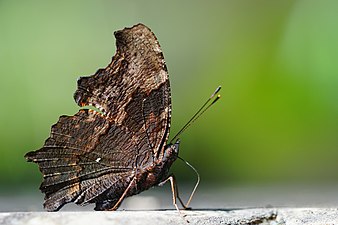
column 133, row 90
column 88, row 153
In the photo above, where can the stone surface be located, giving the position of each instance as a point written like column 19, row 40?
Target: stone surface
column 305, row 204
column 273, row 216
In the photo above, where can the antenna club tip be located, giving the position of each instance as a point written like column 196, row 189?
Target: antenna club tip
column 216, row 99
column 215, row 92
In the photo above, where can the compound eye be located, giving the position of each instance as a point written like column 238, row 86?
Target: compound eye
column 176, row 146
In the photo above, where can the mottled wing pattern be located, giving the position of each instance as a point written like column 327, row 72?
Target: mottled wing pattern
column 90, row 152
column 134, row 89
column 75, row 155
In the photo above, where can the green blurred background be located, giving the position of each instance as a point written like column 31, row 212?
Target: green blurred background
column 277, row 121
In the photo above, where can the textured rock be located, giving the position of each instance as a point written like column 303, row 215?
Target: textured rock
column 309, row 216
column 274, row 216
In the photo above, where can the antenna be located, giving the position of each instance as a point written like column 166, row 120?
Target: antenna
column 204, row 108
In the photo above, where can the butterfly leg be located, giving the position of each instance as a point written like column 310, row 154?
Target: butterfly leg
column 117, row 204
column 174, row 190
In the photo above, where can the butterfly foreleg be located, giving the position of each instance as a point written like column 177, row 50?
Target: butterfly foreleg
column 174, row 190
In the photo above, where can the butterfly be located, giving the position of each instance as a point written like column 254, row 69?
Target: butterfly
column 102, row 156
column 120, row 148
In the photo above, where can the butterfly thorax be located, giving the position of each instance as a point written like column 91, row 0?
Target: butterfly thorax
column 159, row 171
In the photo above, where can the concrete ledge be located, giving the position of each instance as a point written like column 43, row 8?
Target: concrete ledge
column 273, row 216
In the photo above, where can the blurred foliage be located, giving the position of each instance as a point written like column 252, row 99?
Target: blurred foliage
column 276, row 61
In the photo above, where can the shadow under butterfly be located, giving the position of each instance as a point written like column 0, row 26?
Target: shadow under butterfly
column 120, row 149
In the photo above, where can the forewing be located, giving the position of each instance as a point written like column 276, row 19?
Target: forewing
column 133, row 90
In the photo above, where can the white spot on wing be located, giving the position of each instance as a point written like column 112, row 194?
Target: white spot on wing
column 98, row 160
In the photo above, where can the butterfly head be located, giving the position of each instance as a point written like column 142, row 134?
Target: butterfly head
column 171, row 152
column 175, row 147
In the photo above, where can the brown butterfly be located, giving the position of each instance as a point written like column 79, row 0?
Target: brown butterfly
column 120, row 149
